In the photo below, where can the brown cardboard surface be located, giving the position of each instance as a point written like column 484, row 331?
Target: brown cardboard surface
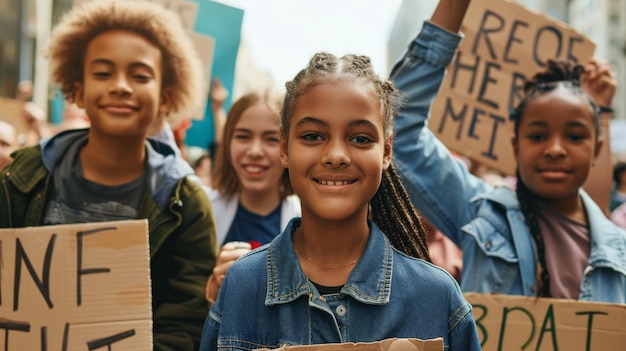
column 11, row 111
column 394, row 344
column 505, row 43
column 523, row 323
column 205, row 46
column 76, row 285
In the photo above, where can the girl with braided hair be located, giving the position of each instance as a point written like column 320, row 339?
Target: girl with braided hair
column 548, row 238
column 354, row 267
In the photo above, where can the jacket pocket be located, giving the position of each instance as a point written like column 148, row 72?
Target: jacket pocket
column 490, row 259
column 491, row 240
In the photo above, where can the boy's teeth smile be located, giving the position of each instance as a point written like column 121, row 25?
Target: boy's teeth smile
column 334, row 182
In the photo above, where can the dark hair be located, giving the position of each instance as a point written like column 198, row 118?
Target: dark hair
column 224, row 177
column 392, row 210
column 557, row 73
column 619, row 168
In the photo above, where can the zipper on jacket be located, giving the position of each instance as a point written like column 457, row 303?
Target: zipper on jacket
column 177, row 202
column 8, row 198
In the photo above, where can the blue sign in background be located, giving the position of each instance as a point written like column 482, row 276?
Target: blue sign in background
column 223, row 23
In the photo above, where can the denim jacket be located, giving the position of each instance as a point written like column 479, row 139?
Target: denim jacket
column 388, row 294
column 499, row 255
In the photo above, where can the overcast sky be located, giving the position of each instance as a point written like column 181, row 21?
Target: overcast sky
column 283, row 34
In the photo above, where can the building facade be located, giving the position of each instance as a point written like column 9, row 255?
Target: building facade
column 17, row 41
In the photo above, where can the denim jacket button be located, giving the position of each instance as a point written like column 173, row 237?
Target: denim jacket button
column 488, row 245
column 533, row 288
column 341, row 310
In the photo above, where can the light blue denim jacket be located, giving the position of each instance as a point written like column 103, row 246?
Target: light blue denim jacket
column 499, row 255
column 267, row 301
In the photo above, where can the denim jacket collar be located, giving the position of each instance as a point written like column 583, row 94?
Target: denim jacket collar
column 369, row 282
column 608, row 248
column 607, row 242
column 500, row 195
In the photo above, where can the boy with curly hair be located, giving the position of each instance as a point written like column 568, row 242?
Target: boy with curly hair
column 124, row 63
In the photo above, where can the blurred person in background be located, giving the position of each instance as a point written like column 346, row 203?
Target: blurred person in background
column 203, row 167
column 618, row 196
column 8, row 143
column 618, row 216
column 251, row 193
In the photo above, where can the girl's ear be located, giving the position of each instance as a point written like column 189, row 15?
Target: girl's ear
column 79, row 93
column 284, row 154
column 598, row 148
column 387, row 153
column 165, row 105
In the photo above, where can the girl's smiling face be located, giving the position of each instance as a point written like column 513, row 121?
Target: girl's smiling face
column 335, row 149
column 556, row 144
column 254, row 150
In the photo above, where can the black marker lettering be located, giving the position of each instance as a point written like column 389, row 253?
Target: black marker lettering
column 96, row 344
column 549, row 319
column 9, row 325
column 590, row 324
column 457, row 118
column 457, row 66
column 483, row 30
column 486, row 80
column 513, row 39
column 537, row 45
column 79, row 264
column 505, row 313
column 44, row 284
column 494, row 132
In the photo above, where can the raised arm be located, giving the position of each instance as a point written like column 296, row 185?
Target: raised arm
column 440, row 187
column 600, row 83
column 218, row 96
column 449, row 14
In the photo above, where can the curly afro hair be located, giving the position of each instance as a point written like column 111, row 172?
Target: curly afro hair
column 181, row 65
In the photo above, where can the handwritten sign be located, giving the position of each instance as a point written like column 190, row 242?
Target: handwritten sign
column 505, row 44
column 76, row 287
column 523, row 323
column 11, row 111
column 394, row 344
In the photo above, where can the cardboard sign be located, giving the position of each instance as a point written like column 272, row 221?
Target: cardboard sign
column 505, row 44
column 76, row 287
column 523, row 323
column 394, row 344
column 11, row 111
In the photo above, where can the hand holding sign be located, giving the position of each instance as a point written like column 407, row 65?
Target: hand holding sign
column 599, row 81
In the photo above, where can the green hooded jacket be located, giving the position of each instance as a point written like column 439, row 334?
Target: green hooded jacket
column 182, row 235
